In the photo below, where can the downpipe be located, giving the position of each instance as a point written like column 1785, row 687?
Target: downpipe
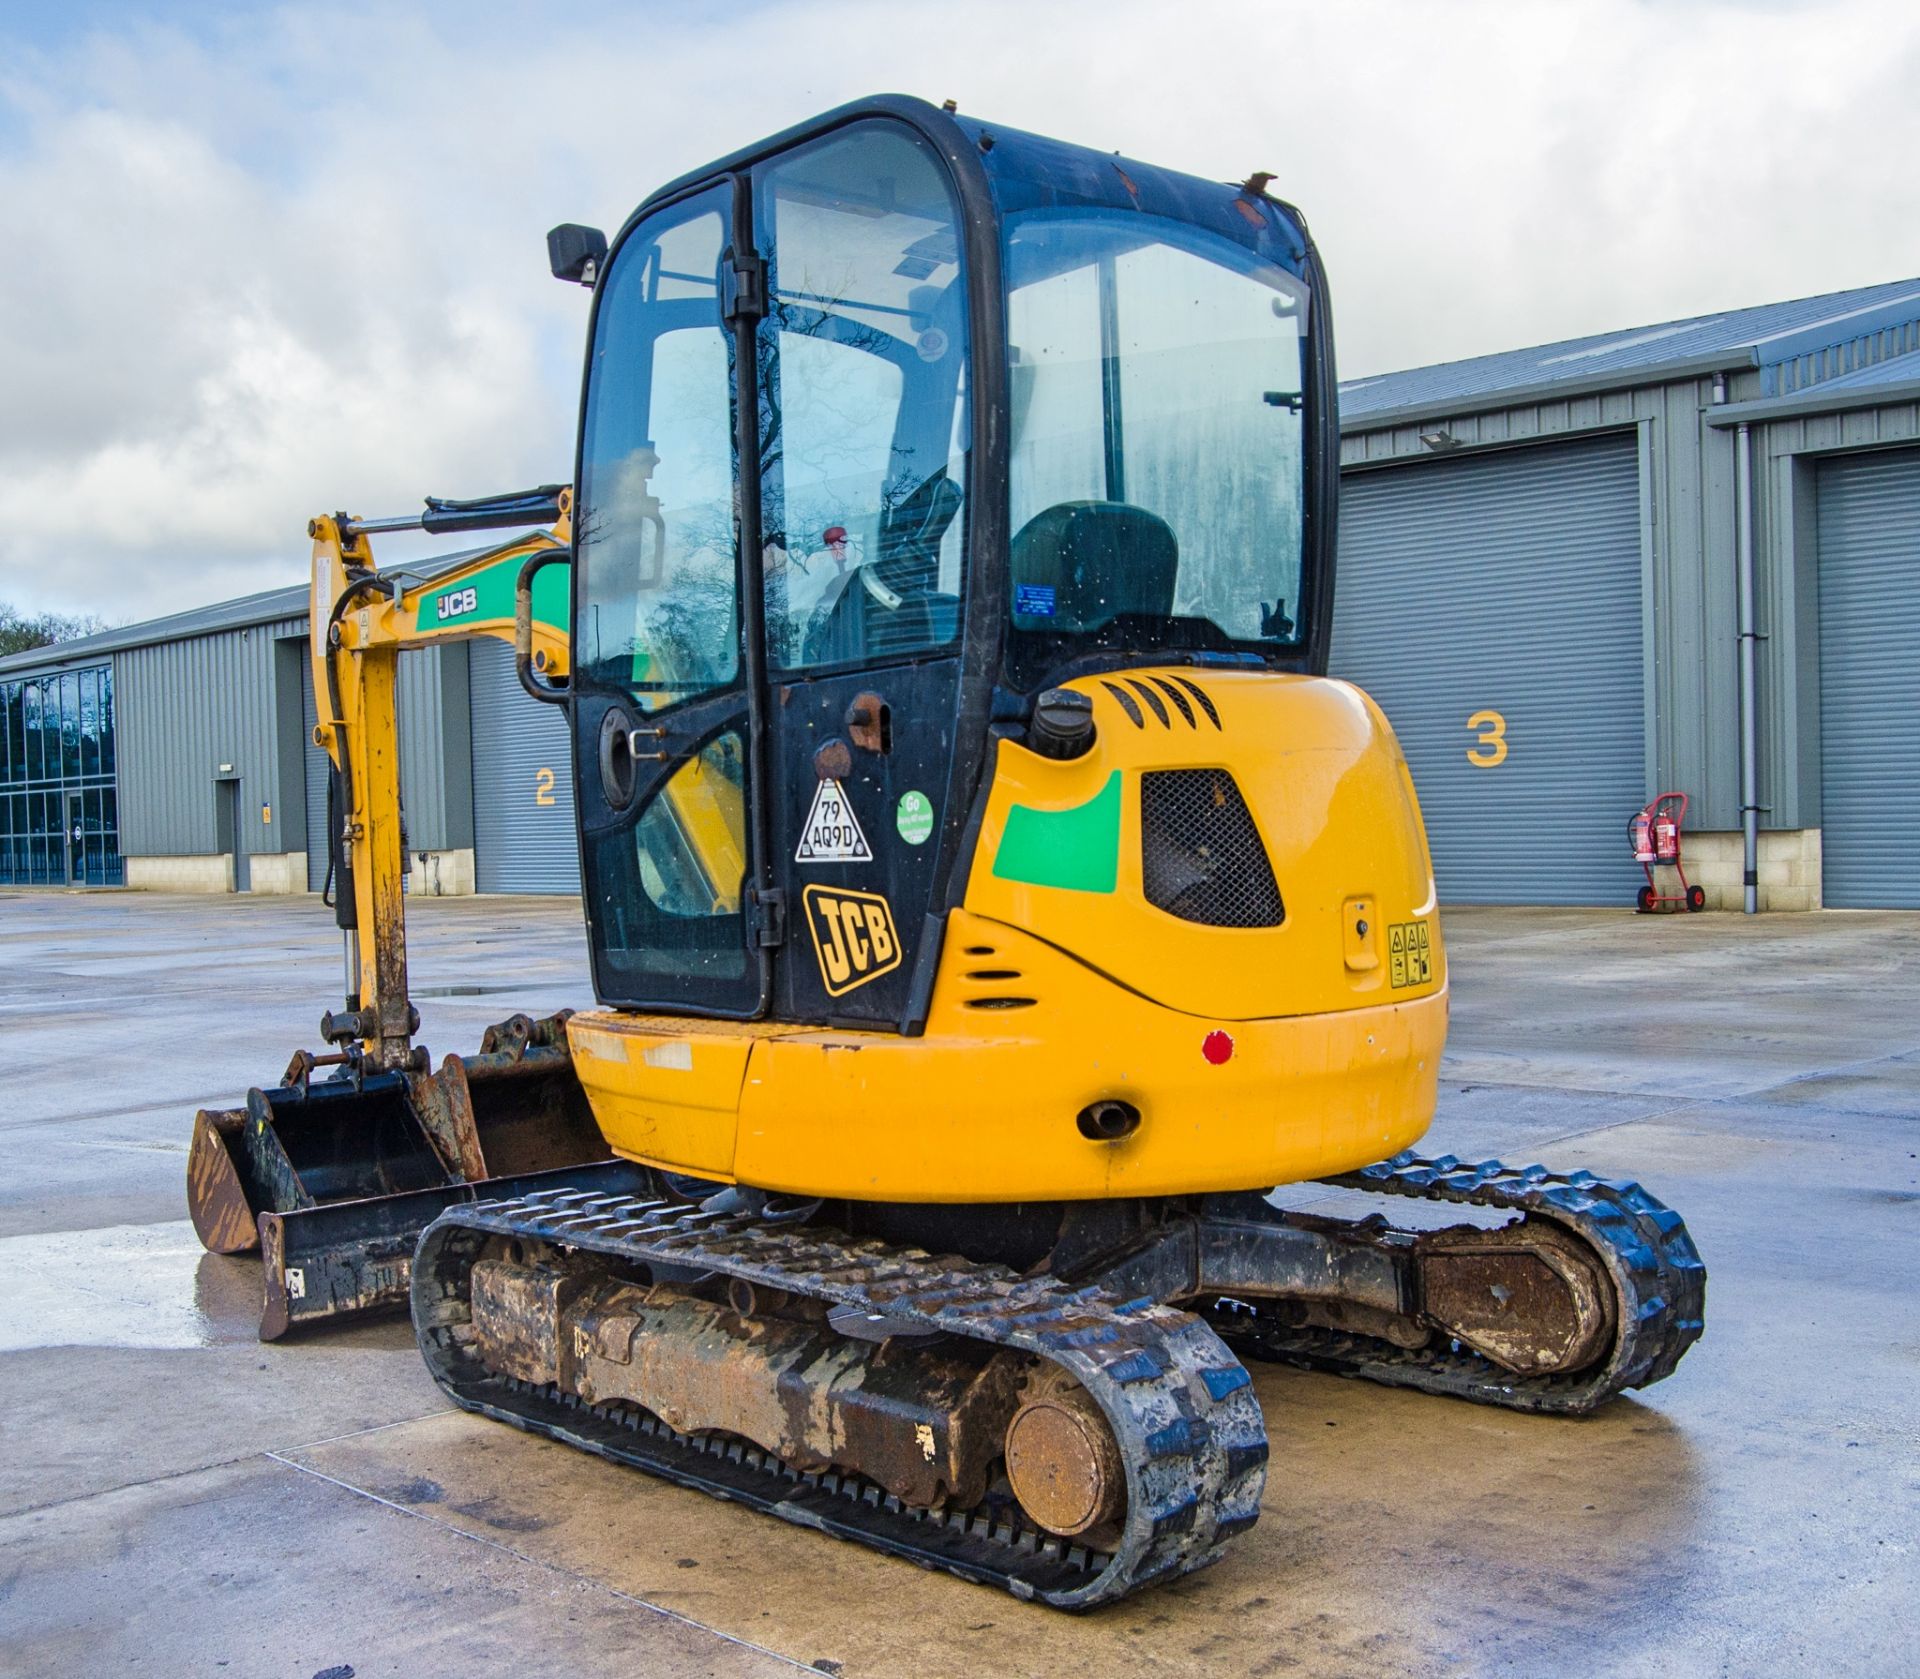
column 1749, row 720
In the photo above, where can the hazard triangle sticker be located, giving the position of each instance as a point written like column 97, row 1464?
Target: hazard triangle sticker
column 831, row 832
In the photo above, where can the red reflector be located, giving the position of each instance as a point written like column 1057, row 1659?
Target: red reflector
column 1217, row 1047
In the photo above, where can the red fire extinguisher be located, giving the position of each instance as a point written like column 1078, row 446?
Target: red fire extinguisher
column 1654, row 834
column 1640, row 833
column 1666, row 835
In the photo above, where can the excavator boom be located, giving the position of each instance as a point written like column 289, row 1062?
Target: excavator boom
column 333, row 1172
column 361, row 622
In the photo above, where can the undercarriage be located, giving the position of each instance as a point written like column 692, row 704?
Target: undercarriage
column 1071, row 1424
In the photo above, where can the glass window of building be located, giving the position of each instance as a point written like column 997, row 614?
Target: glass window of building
column 58, row 804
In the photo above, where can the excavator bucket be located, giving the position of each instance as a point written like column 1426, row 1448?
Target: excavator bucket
column 333, row 1179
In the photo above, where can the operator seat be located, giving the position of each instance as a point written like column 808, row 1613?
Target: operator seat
column 1092, row 561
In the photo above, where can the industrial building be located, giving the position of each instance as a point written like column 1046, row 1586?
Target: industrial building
column 1551, row 561
column 182, row 752
column 1543, row 557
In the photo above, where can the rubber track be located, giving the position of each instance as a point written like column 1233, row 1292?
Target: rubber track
column 1181, row 1406
column 1658, row 1275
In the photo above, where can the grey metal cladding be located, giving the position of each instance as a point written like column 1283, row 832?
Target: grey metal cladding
column 184, row 708
column 315, row 765
column 1869, row 564
column 420, row 702
column 1688, row 509
column 1508, row 582
column 1891, row 370
column 1858, row 325
column 523, row 821
column 1892, row 421
column 421, row 713
column 268, row 607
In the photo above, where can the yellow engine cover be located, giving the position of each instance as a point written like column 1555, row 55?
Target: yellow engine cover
column 1254, row 1055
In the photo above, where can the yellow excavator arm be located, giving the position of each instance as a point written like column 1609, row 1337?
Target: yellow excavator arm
column 332, row 1178
column 362, row 620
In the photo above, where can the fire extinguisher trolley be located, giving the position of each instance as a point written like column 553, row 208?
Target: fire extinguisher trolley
column 1655, row 836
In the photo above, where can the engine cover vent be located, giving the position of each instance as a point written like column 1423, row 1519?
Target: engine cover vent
column 1150, row 690
column 1200, row 854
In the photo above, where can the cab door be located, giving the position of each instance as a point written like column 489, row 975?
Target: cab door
column 861, row 392
column 663, row 693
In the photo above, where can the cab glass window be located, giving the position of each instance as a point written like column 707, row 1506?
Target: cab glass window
column 863, row 401
column 659, row 610
column 1158, row 440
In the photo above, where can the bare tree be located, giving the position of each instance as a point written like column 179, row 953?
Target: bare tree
column 20, row 632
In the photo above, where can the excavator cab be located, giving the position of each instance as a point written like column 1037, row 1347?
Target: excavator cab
column 990, row 899
column 890, row 426
column 952, row 566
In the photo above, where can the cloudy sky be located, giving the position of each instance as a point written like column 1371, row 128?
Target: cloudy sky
column 266, row 260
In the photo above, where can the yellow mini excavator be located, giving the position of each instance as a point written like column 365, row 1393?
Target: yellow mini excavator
column 990, row 900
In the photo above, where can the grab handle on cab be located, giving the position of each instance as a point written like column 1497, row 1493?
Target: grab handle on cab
column 526, row 665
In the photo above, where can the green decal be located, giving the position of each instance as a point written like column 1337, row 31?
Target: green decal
column 1077, row 850
column 914, row 818
column 487, row 596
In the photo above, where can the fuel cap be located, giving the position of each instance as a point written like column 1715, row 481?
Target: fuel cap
column 1062, row 725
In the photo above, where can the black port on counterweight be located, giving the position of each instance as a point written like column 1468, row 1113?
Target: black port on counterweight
column 1108, row 1121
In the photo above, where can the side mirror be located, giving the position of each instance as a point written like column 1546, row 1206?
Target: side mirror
column 576, row 253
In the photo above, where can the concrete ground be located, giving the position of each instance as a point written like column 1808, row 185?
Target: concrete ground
column 177, row 1499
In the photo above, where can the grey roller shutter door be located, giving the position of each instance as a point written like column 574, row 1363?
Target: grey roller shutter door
column 1507, row 584
column 523, row 828
column 1869, row 535
column 314, row 768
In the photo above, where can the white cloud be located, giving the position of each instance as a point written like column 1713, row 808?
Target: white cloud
column 270, row 262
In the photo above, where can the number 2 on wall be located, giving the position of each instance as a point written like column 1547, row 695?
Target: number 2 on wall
column 543, row 785
column 1491, row 747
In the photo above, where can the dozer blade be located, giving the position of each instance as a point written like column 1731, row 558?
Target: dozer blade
column 335, row 1177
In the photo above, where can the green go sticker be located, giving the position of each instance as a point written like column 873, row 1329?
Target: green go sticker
column 914, row 818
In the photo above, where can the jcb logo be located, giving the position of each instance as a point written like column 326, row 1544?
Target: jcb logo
column 457, row 603
column 853, row 936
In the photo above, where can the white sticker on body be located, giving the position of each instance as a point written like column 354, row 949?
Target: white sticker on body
column 676, row 1056
column 831, row 832
column 296, row 1283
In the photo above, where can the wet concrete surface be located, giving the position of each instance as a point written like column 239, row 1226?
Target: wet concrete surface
column 175, row 1498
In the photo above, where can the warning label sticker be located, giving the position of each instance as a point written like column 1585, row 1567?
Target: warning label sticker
column 1410, row 953
column 831, row 832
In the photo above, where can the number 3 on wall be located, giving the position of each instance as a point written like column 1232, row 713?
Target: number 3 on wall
column 1491, row 747
column 543, row 785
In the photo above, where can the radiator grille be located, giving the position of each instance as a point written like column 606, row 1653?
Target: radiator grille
column 1201, row 856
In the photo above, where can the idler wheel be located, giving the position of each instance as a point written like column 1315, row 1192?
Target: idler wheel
column 1532, row 1297
column 1064, row 1464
